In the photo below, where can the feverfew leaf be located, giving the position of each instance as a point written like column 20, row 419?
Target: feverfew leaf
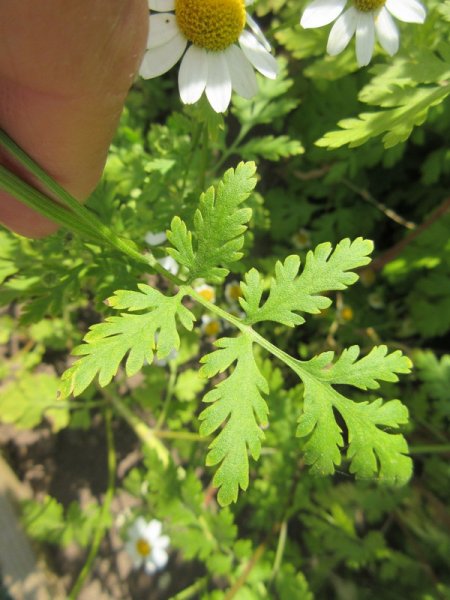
column 26, row 401
column 238, row 404
column 140, row 335
column 365, row 373
column 289, row 293
column 271, row 147
column 372, row 451
column 219, row 225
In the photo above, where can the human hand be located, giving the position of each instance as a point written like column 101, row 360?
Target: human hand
column 65, row 69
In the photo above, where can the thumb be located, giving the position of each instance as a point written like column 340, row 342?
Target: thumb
column 65, row 69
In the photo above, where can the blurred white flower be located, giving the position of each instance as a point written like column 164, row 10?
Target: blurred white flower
column 146, row 546
column 163, row 362
column 220, row 53
column 365, row 19
column 155, row 238
column 170, row 264
column 301, row 239
column 211, row 326
column 233, row 292
column 206, row 291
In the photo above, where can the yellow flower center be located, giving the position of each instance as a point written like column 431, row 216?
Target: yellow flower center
column 234, row 291
column 143, row 547
column 368, row 5
column 347, row 313
column 208, row 294
column 211, row 24
column 212, row 328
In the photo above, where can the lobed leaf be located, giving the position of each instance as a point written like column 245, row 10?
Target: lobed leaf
column 372, row 451
column 219, row 224
column 106, row 344
column 364, row 373
column 290, row 293
column 237, row 403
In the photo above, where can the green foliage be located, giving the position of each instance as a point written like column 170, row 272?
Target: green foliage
column 47, row 521
column 26, row 401
column 219, row 225
column 324, row 270
column 289, row 412
column 139, row 336
column 238, row 401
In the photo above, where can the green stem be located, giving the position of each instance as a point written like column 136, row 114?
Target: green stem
column 74, row 216
column 144, row 433
column 169, row 395
column 36, row 200
column 180, row 435
column 192, row 590
column 104, row 515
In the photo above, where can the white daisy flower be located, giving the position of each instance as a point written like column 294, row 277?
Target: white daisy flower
column 211, row 326
column 146, row 546
column 207, row 292
column 220, row 53
column 365, row 19
column 155, row 238
column 233, row 292
column 169, row 264
column 301, row 239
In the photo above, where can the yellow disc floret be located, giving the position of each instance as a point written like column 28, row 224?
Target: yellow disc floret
column 143, row 547
column 211, row 24
column 368, row 5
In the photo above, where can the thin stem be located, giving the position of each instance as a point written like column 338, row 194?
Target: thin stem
column 36, row 200
column 192, row 590
column 104, row 514
column 169, row 395
column 144, row 433
column 280, row 550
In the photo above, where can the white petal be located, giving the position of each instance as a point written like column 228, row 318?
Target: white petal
column 387, row 32
column 321, row 12
column 139, row 526
column 342, row 32
column 193, row 74
column 162, row 58
column 257, row 32
column 365, row 37
column 163, row 541
column 153, row 530
column 160, row 558
column 410, row 11
column 170, row 264
column 154, row 239
column 162, row 29
column 130, row 547
column 263, row 62
column 161, row 5
column 243, row 78
column 218, row 83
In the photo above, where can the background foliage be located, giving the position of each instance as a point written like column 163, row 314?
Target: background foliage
column 305, row 527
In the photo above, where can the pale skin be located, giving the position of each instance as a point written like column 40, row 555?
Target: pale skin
column 65, row 70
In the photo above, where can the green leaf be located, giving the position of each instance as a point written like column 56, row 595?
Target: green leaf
column 219, row 225
column 106, row 344
column 395, row 125
column 372, row 451
column 363, row 373
column 289, row 293
column 46, row 522
column 28, row 400
column 271, row 147
column 237, row 403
